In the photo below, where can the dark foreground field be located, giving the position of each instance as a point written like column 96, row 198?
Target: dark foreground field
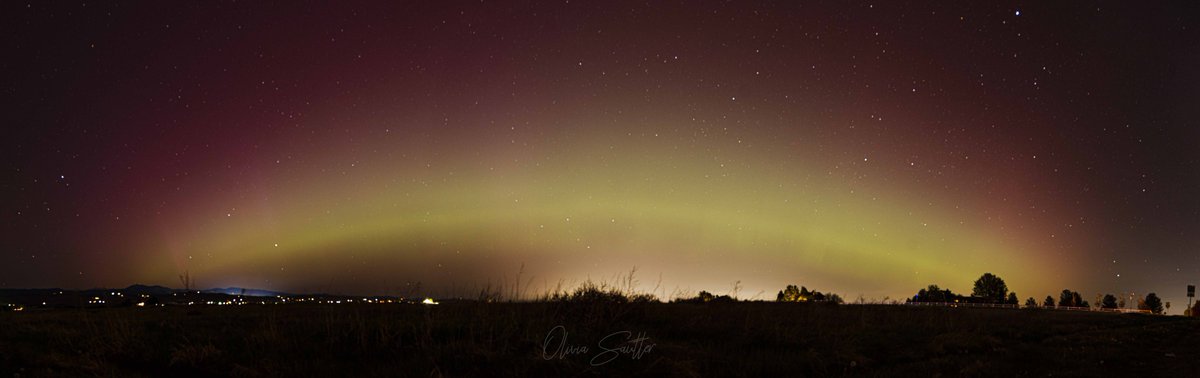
column 741, row 339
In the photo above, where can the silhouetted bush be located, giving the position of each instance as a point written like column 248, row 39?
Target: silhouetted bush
column 706, row 297
column 643, row 298
column 593, row 293
column 1152, row 303
column 1109, row 301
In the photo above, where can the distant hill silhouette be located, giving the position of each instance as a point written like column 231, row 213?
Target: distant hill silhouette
column 152, row 290
column 139, row 289
column 244, row 291
column 19, row 292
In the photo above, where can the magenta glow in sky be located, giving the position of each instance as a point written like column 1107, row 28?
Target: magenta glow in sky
column 856, row 148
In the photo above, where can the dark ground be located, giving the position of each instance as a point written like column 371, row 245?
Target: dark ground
column 739, row 339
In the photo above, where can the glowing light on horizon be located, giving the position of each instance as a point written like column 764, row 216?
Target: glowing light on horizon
column 433, row 150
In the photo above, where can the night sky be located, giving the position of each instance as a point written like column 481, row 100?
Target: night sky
column 857, row 148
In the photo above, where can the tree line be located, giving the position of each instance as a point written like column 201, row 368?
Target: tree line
column 801, row 294
column 990, row 288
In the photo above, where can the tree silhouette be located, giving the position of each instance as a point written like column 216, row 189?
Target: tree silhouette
column 801, row 294
column 1049, row 302
column 933, row 293
column 816, row 296
column 789, row 294
column 1078, row 299
column 936, row 294
column 834, row 298
column 186, row 280
column 1065, row 299
column 991, row 287
column 1152, row 303
column 1109, row 301
column 1031, row 303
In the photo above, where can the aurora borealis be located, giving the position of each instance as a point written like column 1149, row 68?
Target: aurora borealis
column 857, row 148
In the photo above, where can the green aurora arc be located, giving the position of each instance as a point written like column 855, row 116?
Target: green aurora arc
column 866, row 149
column 596, row 205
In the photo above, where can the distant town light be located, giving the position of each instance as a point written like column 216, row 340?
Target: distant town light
column 429, row 301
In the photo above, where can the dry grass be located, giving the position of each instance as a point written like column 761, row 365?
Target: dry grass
column 500, row 335
column 472, row 339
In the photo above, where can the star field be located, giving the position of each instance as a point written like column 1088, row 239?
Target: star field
column 860, row 148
